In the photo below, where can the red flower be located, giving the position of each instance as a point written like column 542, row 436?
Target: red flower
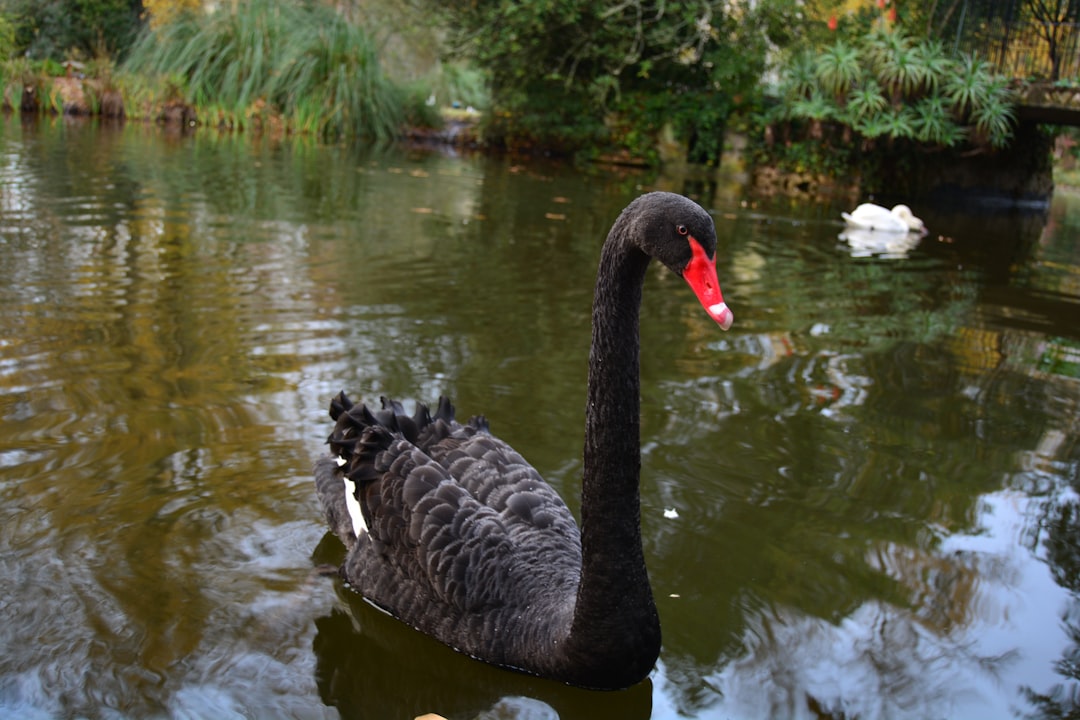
column 832, row 23
column 892, row 14
column 881, row 4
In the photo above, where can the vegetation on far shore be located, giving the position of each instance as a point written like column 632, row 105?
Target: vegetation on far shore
column 620, row 81
column 273, row 61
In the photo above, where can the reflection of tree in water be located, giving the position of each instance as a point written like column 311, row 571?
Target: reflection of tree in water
column 860, row 446
column 1062, row 700
column 878, row 662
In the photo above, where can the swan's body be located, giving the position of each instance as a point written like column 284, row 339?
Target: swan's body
column 880, row 219
column 451, row 531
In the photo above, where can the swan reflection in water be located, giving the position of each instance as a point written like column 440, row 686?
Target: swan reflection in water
column 871, row 243
column 370, row 665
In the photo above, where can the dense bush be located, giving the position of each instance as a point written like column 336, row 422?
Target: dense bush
column 59, row 29
column 574, row 74
column 884, row 91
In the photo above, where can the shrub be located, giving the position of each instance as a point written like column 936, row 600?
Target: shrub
column 301, row 61
column 887, row 88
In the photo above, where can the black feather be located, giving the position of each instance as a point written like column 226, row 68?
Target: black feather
column 467, row 543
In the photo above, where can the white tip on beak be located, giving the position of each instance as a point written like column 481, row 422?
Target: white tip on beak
column 722, row 315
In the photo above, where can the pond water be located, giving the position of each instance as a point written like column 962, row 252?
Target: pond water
column 862, row 501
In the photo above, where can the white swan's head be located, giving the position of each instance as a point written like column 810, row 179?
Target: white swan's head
column 914, row 224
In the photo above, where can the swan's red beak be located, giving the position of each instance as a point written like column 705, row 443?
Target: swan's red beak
column 700, row 274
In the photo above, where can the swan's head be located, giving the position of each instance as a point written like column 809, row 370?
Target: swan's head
column 914, row 224
column 680, row 234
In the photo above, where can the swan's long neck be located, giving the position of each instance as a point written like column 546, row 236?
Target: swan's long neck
column 615, row 619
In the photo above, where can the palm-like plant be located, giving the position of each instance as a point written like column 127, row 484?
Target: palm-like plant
column 953, row 134
column 882, row 43
column 838, row 68
column 815, row 107
column 936, row 64
column 866, row 100
column 900, row 123
column 800, row 78
column 890, row 86
column 995, row 116
column 967, row 87
column 902, row 70
column 933, row 123
column 873, row 126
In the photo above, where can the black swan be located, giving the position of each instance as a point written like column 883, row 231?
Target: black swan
column 453, row 532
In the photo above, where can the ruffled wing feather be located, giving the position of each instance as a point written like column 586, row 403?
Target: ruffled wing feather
column 453, row 514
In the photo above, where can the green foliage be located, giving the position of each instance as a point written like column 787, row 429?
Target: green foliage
column 872, row 126
column 933, row 123
column 7, row 37
column 995, row 116
column 936, row 64
column 575, row 73
column 60, row 29
column 699, row 118
column 888, row 88
column 866, row 101
column 903, row 71
column 21, row 75
column 265, row 57
column 15, row 74
column 814, row 107
column 461, row 84
column 878, row 103
column 329, row 69
column 970, row 84
column 900, row 123
column 801, row 75
column 536, row 115
column 837, row 68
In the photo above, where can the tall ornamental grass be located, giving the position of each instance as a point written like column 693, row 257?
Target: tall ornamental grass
column 302, row 62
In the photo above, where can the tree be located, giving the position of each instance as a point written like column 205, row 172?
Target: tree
column 1053, row 19
column 1004, row 30
column 565, row 71
column 7, row 37
column 58, row 28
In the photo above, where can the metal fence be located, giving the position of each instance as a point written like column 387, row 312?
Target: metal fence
column 1023, row 50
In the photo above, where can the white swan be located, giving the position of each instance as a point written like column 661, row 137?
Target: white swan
column 878, row 219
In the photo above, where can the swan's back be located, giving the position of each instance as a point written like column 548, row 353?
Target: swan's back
column 457, row 536
column 869, row 216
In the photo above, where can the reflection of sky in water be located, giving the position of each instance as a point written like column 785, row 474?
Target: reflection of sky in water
column 169, row 360
column 881, row 661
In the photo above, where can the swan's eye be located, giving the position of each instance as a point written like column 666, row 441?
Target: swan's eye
column 681, row 229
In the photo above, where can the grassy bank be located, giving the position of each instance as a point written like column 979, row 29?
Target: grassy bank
column 266, row 65
column 270, row 61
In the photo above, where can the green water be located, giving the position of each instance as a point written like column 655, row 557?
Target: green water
column 862, row 501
